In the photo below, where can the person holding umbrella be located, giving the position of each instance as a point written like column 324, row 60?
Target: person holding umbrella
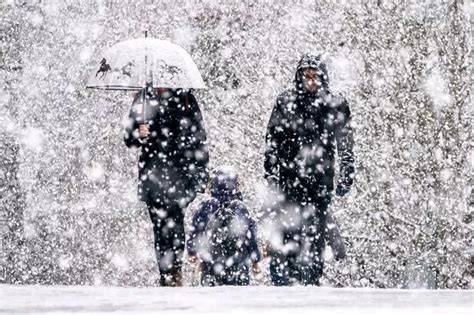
column 172, row 168
column 166, row 124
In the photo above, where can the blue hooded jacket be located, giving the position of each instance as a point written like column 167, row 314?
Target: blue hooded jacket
column 224, row 193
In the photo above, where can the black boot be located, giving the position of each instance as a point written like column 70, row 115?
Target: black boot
column 172, row 278
column 177, row 276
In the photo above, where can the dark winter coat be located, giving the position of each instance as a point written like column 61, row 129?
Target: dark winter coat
column 224, row 194
column 303, row 134
column 173, row 160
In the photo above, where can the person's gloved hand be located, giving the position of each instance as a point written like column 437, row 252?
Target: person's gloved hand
column 200, row 188
column 265, row 250
column 192, row 259
column 342, row 189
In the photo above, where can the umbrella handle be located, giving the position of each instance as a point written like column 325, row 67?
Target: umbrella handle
column 144, row 105
column 149, row 86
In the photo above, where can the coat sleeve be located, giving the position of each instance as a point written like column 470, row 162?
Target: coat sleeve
column 273, row 139
column 131, row 137
column 196, row 147
column 255, row 255
column 198, row 227
column 251, row 236
column 345, row 144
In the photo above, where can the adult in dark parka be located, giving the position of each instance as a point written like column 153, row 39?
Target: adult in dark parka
column 172, row 167
column 307, row 127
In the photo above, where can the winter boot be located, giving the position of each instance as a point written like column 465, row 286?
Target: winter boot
column 177, row 277
column 172, row 278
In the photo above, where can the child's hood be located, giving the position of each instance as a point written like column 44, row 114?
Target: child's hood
column 224, row 185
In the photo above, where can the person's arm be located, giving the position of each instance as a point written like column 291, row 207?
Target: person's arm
column 273, row 140
column 251, row 236
column 196, row 146
column 194, row 231
column 255, row 255
column 345, row 144
column 198, row 226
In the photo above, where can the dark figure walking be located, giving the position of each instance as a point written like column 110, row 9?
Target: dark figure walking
column 223, row 235
column 307, row 127
column 167, row 125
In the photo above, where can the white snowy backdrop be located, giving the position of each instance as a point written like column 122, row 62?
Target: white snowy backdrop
column 68, row 207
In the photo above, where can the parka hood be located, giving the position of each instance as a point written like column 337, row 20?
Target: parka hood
column 315, row 62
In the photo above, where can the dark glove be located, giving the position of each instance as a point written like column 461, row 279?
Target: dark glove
column 200, row 188
column 342, row 189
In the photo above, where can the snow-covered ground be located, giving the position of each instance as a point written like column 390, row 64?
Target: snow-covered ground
column 241, row 300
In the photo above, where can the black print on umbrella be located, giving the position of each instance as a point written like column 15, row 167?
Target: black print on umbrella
column 173, row 70
column 168, row 71
column 104, row 68
column 127, row 69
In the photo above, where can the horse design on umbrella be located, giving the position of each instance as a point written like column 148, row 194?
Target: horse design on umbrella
column 127, row 69
column 104, row 68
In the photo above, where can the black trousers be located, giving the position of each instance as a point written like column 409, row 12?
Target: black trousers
column 168, row 230
column 301, row 255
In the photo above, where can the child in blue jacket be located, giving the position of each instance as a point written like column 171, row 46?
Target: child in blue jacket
column 223, row 235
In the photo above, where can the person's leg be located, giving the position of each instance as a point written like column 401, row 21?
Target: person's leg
column 288, row 222
column 294, row 272
column 207, row 275
column 283, row 265
column 211, row 277
column 243, row 275
column 155, row 220
column 279, row 272
column 168, row 228
column 312, row 262
column 237, row 275
column 334, row 238
column 174, row 235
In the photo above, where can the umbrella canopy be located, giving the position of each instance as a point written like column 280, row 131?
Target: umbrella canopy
column 132, row 64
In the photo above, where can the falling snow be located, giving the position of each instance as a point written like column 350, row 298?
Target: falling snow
column 69, row 213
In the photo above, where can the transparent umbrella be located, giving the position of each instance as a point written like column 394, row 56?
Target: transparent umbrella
column 138, row 63
column 142, row 64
